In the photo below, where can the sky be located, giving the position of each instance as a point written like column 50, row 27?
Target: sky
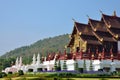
column 23, row 22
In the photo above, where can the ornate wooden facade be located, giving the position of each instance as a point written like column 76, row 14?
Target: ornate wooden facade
column 99, row 37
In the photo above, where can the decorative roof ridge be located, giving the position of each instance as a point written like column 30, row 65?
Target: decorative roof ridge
column 107, row 19
column 112, row 16
column 96, row 20
column 90, row 23
column 82, row 23
column 94, row 29
column 79, row 24
column 93, row 19
column 107, row 24
column 112, row 33
column 104, row 38
column 76, row 27
column 98, row 37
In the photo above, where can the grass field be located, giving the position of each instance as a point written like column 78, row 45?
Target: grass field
column 30, row 78
column 92, row 79
column 61, row 76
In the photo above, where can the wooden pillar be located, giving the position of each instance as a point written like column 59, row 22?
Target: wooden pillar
column 89, row 53
column 103, row 51
column 92, row 57
column 65, row 55
column 81, row 56
column 111, row 55
column 99, row 56
column 97, row 51
column 74, row 56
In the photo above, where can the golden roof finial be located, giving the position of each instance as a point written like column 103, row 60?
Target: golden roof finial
column 88, row 16
column 73, row 19
column 114, row 13
column 101, row 12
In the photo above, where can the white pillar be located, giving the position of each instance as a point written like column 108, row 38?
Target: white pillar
column 17, row 62
column 45, row 58
column 101, row 65
column 20, row 61
column 34, row 60
column 112, row 67
column 38, row 59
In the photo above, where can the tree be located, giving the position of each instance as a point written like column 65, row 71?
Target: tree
column 55, row 66
column 84, row 65
column 64, row 65
column 6, row 63
column 59, row 65
column 2, row 74
column 20, row 72
column 76, row 66
column 41, row 46
column 91, row 65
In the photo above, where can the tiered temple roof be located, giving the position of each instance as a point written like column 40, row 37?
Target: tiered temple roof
column 101, row 38
column 85, row 33
column 100, row 29
column 113, row 23
column 109, row 26
column 104, row 33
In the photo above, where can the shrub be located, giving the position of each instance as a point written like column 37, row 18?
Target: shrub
column 59, row 66
column 2, row 74
column 91, row 65
column 9, row 72
column 66, row 74
column 114, row 73
column 62, row 75
column 76, row 66
column 118, row 73
column 84, row 65
column 87, row 75
column 80, row 70
column 64, row 65
column 55, row 66
column 20, row 72
column 55, row 78
column 104, row 75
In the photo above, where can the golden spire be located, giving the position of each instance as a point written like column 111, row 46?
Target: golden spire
column 114, row 13
column 88, row 16
column 73, row 19
column 101, row 12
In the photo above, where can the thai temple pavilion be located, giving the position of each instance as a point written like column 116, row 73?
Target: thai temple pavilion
column 99, row 39
column 94, row 46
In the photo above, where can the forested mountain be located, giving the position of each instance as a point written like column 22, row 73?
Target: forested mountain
column 45, row 46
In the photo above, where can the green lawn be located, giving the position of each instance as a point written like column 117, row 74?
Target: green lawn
column 18, row 78
column 85, row 79
column 93, row 79
column 50, row 76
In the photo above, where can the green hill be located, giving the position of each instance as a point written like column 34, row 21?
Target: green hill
column 45, row 46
